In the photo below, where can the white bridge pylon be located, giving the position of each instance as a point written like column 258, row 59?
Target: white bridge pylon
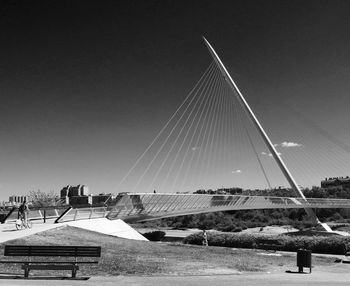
column 148, row 206
column 261, row 131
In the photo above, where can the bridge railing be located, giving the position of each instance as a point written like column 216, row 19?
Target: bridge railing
column 149, row 205
column 74, row 214
column 35, row 214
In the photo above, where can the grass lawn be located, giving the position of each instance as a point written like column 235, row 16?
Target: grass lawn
column 131, row 257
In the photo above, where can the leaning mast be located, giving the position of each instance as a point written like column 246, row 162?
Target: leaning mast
column 260, row 129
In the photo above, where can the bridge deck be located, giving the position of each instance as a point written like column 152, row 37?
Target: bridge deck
column 147, row 206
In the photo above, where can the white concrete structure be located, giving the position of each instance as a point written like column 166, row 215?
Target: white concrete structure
column 110, row 227
column 117, row 228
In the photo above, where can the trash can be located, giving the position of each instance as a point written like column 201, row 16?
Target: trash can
column 304, row 259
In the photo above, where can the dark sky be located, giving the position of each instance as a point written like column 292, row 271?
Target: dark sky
column 86, row 85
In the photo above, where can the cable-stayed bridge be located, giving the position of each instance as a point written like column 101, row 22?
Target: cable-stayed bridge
column 195, row 149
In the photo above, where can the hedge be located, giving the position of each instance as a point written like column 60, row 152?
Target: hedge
column 317, row 244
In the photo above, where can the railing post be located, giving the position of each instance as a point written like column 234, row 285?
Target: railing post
column 63, row 214
column 8, row 215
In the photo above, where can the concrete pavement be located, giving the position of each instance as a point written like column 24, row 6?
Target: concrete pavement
column 8, row 231
column 251, row 279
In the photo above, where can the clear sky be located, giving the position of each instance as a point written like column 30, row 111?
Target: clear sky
column 86, row 85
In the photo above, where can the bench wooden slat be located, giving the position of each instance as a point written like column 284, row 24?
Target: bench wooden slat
column 51, row 267
column 49, row 262
column 33, row 250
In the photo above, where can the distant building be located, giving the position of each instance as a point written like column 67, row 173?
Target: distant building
column 64, row 192
column 70, row 191
column 79, row 196
column 221, row 191
column 337, row 182
column 231, row 191
column 18, row 199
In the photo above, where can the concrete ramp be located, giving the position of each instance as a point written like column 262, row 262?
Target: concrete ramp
column 8, row 231
column 110, row 227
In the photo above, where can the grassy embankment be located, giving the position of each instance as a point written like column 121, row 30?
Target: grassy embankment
column 130, row 257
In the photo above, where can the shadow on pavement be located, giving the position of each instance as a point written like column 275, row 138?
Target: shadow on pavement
column 296, row 272
column 16, row 276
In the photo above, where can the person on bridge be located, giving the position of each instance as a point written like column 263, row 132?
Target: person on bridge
column 23, row 211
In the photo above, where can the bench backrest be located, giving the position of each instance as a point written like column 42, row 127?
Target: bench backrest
column 52, row 250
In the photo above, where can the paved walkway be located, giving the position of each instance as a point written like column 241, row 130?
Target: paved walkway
column 316, row 278
column 8, row 231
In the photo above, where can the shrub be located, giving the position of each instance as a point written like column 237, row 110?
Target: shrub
column 319, row 244
column 227, row 228
column 157, row 235
column 337, row 226
column 223, row 239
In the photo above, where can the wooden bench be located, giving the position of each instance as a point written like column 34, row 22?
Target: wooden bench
column 29, row 251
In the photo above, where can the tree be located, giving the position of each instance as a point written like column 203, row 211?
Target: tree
column 41, row 199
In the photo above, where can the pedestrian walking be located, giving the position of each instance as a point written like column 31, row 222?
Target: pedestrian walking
column 205, row 238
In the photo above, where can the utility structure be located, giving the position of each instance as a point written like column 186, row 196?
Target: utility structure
column 262, row 132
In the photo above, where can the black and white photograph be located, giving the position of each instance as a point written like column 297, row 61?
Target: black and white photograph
column 164, row 142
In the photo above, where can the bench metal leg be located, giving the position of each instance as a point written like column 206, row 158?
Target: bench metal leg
column 74, row 267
